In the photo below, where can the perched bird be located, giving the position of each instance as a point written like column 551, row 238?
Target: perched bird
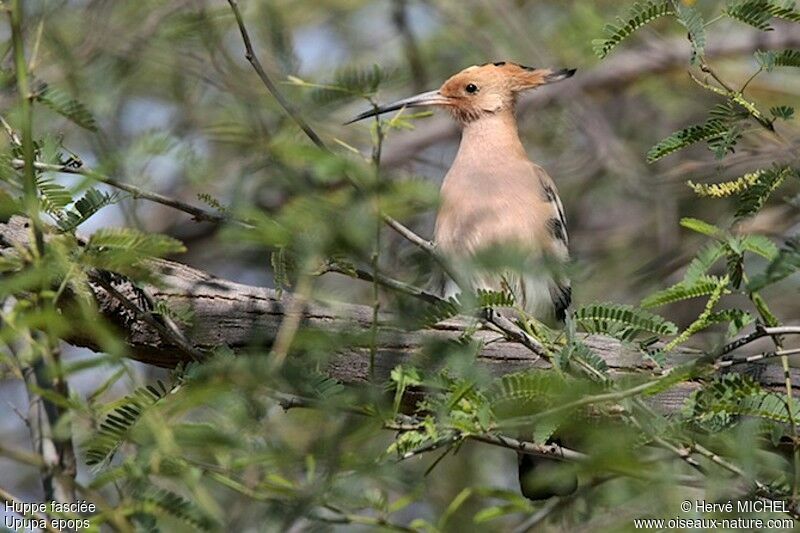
column 494, row 195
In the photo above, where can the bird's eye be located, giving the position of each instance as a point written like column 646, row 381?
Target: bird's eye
column 472, row 88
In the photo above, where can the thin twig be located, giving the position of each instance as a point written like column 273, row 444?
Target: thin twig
column 291, row 322
column 166, row 334
column 197, row 213
column 12, row 135
column 386, row 281
column 539, row 516
column 548, row 450
column 31, row 197
column 250, row 55
column 294, row 115
column 757, row 357
column 759, row 333
column 451, row 439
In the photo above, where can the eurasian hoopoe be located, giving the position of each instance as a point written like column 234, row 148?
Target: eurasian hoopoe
column 494, row 195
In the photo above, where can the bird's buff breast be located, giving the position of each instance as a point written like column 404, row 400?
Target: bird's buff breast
column 469, row 221
column 487, row 214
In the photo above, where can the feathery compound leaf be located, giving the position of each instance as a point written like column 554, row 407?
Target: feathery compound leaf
column 490, row 299
column 736, row 319
column 121, row 247
column 702, row 286
column 754, row 197
column 534, row 385
column 639, row 15
column 783, row 265
column 710, row 407
column 157, row 501
column 54, row 197
column 783, row 112
column 726, row 188
column 757, row 13
column 577, row 350
column 63, row 104
column 759, row 245
column 778, row 58
column 347, row 83
column 441, row 311
column 712, row 129
column 702, row 321
column 89, row 204
column 527, row 393
column 718, row 404
column 728, row 112
column 622, row 321
column 103, row 444
column 752, row 13
column 691, row 19
column 705, row 259
column 702, row 227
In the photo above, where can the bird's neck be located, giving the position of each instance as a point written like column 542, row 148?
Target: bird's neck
column 490, row 139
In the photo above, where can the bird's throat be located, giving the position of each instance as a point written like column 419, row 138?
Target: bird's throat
column 490, row 139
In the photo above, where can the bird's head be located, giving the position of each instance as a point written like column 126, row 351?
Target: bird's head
column 478, row 90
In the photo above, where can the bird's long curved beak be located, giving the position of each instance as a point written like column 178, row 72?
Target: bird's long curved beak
column 419, row 100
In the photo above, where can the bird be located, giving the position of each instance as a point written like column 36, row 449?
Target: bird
column 494, row 195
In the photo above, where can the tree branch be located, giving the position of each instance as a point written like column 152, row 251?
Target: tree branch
column 244, row 318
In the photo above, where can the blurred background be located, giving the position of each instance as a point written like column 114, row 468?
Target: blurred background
column 181, row 112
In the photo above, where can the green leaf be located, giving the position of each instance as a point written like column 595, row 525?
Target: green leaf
column 441, row 311
column 757, row 13
column 490, row 299
column 705, row 259
column 725, row 143
column 703, row 286
column 712, row 129
column 759, row 245
column 691, row 19
column 701, row 226
column 496, row 511
column 63, row 104
column 89, row 204
column 783, row 265
column 124, row 249
column 577, row 350
column 736, row 319
column 347, row 83
column 158, row 501
column 778, row 58
column 752, row 199
column 710, row 407
column 783, row 112
column 101, row 446
column 638, row 16
column 54, row 197
column 702, row 321
column 723, row 400
column 526, row 393
column 622, row 321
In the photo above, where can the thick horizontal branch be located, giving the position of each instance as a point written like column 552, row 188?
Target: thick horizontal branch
column 244, row 318
column 623, row 68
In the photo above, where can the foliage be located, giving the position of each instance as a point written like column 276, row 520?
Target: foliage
column 639, row 15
